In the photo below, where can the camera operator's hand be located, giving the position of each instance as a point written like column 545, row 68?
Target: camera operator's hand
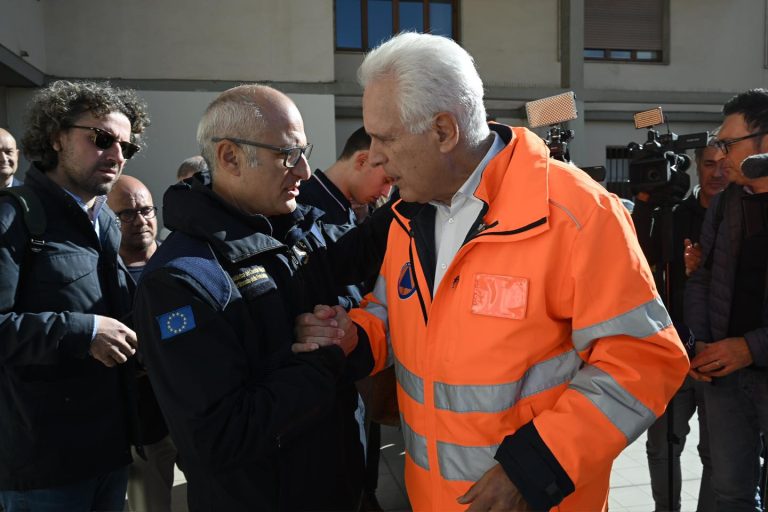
column 643, row 197
column 691, row 256
column 114, row 342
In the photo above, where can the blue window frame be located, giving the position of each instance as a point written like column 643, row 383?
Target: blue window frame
column 363, row 24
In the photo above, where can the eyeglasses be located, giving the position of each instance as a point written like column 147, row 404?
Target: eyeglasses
column 722, row 145
column 104, row 140
column 292, row 154
column 129, row 214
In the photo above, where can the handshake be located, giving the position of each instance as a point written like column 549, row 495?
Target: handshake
column 325, row 326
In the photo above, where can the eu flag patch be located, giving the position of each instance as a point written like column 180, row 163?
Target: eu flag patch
column 176, row 322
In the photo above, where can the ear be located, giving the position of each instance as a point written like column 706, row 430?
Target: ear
column 229, row 158
column 56, row 141
column 360, row 158
column 446, row 130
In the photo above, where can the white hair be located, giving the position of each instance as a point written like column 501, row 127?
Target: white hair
column 233, row 114
column 433, row 74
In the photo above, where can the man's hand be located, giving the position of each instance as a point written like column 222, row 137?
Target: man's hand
column 720, row 358
column 691, row 256
column 494, row 492
column 325, row 326
column 114, row 342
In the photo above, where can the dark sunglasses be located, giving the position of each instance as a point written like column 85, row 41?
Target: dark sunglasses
column 105, row 140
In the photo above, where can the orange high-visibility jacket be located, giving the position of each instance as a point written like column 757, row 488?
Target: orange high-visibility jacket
column 545, row 347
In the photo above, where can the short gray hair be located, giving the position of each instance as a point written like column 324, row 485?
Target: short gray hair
column 234, row 114
column 433, row 74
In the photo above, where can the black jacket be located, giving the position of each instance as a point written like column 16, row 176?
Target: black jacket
column 256, row 427
column 658, row 247
column 62, row 413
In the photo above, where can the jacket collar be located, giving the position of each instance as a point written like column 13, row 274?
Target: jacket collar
column 193, row 208
column 514, row 187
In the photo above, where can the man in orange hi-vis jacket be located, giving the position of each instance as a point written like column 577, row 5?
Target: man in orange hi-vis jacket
column 529, row 342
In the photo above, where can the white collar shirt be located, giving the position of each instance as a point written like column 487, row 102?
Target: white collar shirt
column 453, row 222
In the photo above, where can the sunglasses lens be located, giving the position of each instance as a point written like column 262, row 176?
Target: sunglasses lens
column 128, row 149
column 103, row 140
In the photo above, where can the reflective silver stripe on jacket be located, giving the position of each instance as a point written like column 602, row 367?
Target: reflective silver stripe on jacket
column 411, row 383
column 640, row 322
column 625, row 411
column 415, row 445
column 500, row 397
column 465, row 462
column 380, row 312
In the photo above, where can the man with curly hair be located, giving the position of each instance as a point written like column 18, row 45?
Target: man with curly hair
column 65, row 419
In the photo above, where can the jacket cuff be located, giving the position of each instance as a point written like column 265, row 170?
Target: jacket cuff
column 533, row 468
column 360, row 360
column 757, row 341
column 77, row 341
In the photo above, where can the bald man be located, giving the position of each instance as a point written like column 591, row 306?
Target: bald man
column 9, row 160
column 132, row 203
column 149, row 481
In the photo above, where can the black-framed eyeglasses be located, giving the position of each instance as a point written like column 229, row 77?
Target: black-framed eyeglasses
column 104, row 140
column 292, row 154
column 129, row 214
column 722, row 145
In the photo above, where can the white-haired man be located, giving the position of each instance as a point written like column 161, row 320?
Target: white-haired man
column 513, row 299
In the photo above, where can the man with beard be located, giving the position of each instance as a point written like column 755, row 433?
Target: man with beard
column 64, row 413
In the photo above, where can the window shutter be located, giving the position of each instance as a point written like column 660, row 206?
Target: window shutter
column 623, row 24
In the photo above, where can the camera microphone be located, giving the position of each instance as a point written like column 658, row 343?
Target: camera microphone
column 755, row 166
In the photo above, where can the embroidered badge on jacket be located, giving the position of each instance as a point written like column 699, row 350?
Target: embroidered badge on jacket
column 176, row 322
column 253, row 281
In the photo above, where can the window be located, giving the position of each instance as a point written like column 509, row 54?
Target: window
column 363, row 24
column 625, row 30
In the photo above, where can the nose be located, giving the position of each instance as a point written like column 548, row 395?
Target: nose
column 375, row 155
column 301, row 170
column 115, row 154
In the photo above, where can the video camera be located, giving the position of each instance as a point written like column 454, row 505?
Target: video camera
column 659, row 166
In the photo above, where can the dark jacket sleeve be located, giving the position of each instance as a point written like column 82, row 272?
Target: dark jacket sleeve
column 696, row 300
column 355, row 254
column 227, row 405
column 32, row 338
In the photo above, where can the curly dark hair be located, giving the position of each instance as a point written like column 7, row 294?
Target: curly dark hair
column 60, row 105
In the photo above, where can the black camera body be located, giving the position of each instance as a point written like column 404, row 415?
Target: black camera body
column 659, row 166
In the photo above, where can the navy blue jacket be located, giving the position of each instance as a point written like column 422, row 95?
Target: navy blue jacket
column 257, row 428
column 63, row 415
column 709, row 292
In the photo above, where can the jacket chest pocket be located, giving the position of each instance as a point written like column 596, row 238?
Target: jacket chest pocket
column 56, row 281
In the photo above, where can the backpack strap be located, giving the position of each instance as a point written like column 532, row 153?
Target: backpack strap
column 32, row 213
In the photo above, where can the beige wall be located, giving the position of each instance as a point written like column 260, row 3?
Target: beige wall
column 195, row 39
column 22, row 29
column 514, row 42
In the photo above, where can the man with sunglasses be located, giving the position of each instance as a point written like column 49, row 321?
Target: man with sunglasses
column 726, row 308
column 257, row 427
column 65, row 416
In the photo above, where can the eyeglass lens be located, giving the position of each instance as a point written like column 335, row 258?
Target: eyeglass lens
column 293, row 156
column 129, row 215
